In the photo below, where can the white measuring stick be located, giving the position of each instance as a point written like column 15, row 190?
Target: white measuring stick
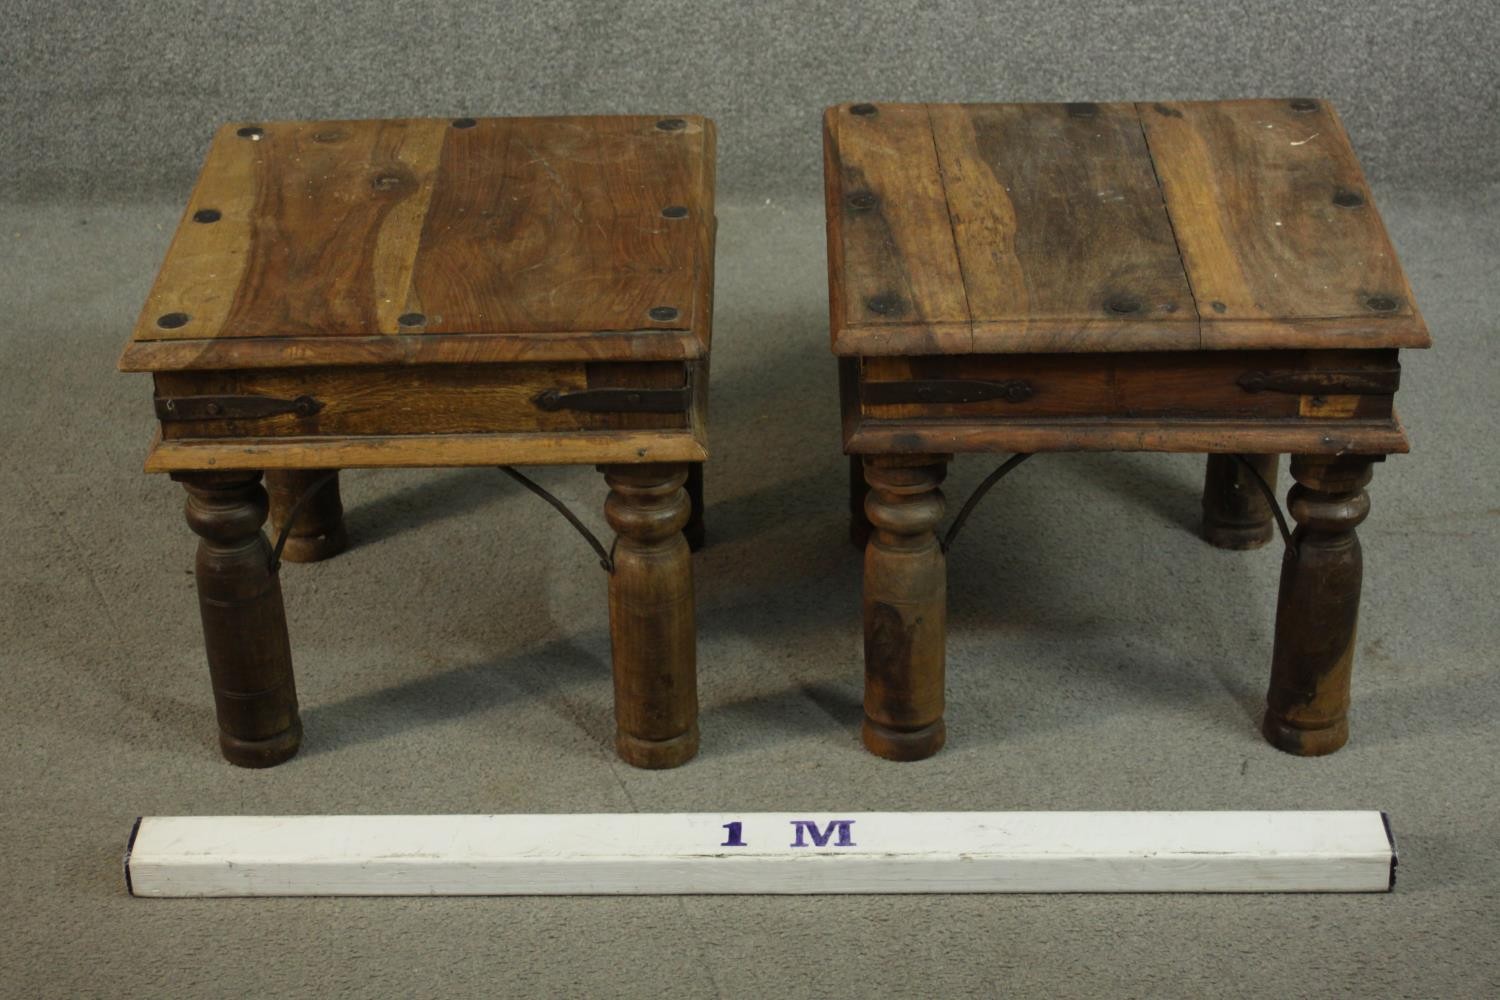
column 761, row 853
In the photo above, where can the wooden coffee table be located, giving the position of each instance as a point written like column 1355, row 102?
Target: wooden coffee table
column 1192, row 277
column 437, row 292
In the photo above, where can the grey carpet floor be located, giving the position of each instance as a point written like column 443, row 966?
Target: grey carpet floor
column 456, row 660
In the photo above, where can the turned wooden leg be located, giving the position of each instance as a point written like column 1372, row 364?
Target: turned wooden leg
column 859, row 522
column 1236, row 514
column 905, row 603
column 244, row 625
column 651, row 622
column 694, row 531
column 1308, row 702
column 318, row 531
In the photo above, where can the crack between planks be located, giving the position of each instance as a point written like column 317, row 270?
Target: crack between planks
column 958, row 257
column 1161, row 192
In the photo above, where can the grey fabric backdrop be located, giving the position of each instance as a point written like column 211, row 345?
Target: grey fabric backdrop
column 113, row 98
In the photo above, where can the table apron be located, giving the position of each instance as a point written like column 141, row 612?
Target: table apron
column 1278, row 400
column 1325, row 385
column 357, row 401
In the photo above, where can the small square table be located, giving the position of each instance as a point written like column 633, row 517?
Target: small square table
column 437, row 292
column 1189, row 277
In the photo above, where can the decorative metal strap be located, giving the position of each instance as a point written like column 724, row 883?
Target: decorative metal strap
column 1015, row 460
column 291, row 516
column 606, row 557
column 978, row 495
column 229, row 407
column 1270, row 495
column 1352, row 382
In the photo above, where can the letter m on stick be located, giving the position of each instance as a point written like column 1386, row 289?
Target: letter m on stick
column 807, row 829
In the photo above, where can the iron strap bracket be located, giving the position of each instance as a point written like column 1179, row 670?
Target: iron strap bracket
column 170, row 408
column 291, row 516
column 617, row 400
column 946, row 542
column 606, row 556
column 1270, row 495
column 1350, row 382
column 945, row 390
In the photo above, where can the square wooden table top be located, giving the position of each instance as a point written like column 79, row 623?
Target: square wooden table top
column 1047, row 228
column 439, row 240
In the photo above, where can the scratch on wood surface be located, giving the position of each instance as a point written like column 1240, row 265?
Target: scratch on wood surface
column 1304, row 142
column 540, row 263
column 537, row 157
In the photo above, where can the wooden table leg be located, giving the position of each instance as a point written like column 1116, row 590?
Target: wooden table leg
column 694, row 531
column 244, row 624
column 1308, row 702
column 859, row 521
column 905, row 605
column 1236, row 514
column 651, row 624
column 318, row 532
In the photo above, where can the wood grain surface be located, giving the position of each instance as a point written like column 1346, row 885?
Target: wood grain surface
column 1317, row 608
column 1278, row 233
column 1188, row 434
column 428, row 451
column 1060, row 228
column 899, row 280
column 653, row 639
column 1148, row 400
column 905, row 607
column 315, row 530
column 244, row 620
column 539, row 238
column 1112, row 227
column 1203, row 384
column 427, row 349
column 1236, row 512
column 417, row 400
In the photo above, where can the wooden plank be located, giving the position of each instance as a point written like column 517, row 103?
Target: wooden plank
column 208, row 255
column 898, row 285
column 420, row 349
column 428, row 450
column 1307, row 436
column 761, row 853
column 557, row 224
column 318, row 225
column 1279, row 234
column 509, row 239
column 1062, row 236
